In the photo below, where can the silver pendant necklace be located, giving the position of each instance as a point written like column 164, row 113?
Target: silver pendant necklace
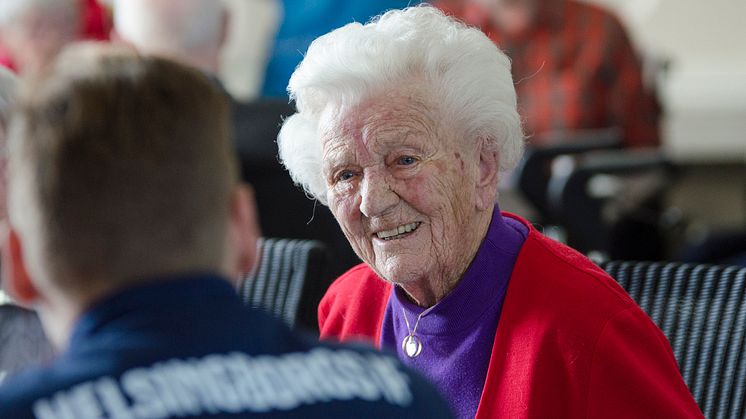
column 412, row 345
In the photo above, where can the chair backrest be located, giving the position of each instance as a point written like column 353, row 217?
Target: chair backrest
column 702, row 311
column 289, row 280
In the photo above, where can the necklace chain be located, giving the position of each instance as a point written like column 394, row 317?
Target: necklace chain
column 417, row 322
column 412, row 345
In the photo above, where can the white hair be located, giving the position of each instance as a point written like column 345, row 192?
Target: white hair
column 169, row 26
column 460, row 67
column 12, row 10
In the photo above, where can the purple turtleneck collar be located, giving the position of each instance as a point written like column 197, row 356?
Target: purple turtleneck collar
column 458, row 333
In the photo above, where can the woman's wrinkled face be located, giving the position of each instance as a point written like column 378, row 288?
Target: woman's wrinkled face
column 402, row 186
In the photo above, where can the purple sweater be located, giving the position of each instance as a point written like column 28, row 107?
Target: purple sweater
column 458, row 333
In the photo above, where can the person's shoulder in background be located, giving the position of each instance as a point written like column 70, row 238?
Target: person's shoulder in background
column 22, row 340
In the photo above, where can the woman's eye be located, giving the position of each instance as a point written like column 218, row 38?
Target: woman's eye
column 406, row 160
column 345, row 175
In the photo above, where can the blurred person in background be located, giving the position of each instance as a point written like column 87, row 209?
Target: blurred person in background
column 574, row 66
column 303, row 21
column 22, row 340
column 253, row 26
column 127, row 223
column 404, row 127
column 189, row 31
column 32, row 32
column 193, row 32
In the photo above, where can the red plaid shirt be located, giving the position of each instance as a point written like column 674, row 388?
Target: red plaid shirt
column 576, row 69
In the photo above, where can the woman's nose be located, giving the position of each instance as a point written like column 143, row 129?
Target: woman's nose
column 376, row 194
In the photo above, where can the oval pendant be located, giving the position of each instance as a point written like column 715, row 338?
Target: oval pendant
column 412, row 346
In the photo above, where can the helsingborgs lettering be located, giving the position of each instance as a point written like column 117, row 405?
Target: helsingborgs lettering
column 232, row 383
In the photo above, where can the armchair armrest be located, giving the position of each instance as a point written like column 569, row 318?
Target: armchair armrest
column 533, row 174
column 580, row 209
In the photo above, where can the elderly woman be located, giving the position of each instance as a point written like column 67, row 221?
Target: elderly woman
column 403, row 127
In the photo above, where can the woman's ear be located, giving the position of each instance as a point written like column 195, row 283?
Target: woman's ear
column 16, row 279
column 489, row 170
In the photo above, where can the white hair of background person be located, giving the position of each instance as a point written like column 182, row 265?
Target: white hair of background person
column 12, row 10
column 468, row 75
column 251, row 37
column 183, row 27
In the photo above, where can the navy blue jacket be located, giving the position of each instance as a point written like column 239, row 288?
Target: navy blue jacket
column 187, row 347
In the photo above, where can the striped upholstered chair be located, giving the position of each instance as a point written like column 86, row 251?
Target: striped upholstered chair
column 702, row 311
column 289, row 280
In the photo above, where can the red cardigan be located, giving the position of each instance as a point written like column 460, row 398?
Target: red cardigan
column 570, row 342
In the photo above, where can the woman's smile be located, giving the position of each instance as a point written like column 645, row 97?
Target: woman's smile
column 399, row 232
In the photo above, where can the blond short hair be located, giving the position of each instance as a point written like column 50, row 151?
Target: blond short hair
column 121, row 167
